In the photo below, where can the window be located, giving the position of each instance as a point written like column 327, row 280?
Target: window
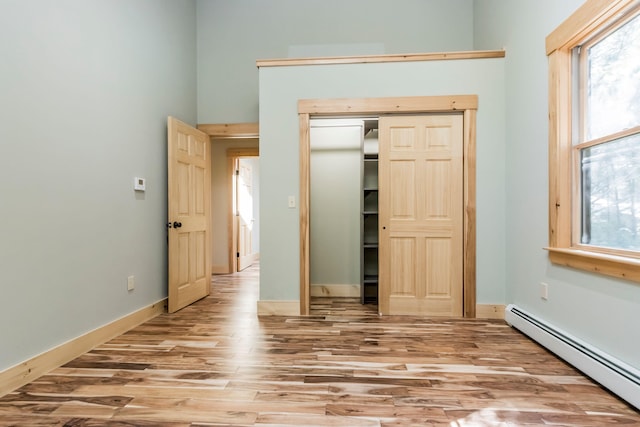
column 594, row 139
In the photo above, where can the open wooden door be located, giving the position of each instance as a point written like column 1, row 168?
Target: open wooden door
column 189, row 206
column 421, row 215
column 244, row 213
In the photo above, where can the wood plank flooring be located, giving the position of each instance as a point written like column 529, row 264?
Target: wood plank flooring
column 216, row 363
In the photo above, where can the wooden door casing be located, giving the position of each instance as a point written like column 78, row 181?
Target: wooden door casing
column 467, row 105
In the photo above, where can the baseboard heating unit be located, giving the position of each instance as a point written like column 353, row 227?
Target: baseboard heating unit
column 615, row 375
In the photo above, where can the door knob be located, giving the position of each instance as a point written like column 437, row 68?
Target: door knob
column 177, row 224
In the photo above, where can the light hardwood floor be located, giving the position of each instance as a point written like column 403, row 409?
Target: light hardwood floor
column 216, row 363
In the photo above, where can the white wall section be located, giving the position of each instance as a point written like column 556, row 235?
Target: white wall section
column 595, row 308
column 280, row 90
column 86, row 90
column 232, row 35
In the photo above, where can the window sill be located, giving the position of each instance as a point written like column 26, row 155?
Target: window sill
column 610, row 265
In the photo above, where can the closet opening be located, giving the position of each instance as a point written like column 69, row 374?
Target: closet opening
column 343, row 223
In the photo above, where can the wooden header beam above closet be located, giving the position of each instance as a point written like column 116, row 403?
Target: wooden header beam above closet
column 407, row 104
column 231, row 130
column 365, row 59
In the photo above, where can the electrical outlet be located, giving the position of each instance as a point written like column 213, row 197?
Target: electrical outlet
column 544, row 291
column 131, row 283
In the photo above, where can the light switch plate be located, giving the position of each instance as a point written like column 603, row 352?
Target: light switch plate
column 544, row 291
column 292, row 201
column 139, row 184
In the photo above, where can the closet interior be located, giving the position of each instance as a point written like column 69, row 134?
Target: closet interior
column 344, row 207
column 369, row 221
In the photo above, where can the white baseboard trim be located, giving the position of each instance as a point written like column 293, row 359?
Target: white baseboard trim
column 29, row 370
column 278, row 308
column 341, row 291
column 490, row 311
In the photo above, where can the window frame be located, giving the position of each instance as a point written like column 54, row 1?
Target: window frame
column 564, row 177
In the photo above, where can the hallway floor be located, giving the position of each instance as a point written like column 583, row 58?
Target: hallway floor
column 216, row 363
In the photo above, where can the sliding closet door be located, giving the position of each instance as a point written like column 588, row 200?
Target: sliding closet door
column 421, row 215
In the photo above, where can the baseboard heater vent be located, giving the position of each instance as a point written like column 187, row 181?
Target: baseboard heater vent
column 617, row 376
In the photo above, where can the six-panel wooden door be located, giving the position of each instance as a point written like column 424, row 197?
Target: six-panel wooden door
column 189, row 206
column 421, row 215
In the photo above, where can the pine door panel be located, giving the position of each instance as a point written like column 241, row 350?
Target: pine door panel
column 421, row 215
column 403, row 175
column 403, row 257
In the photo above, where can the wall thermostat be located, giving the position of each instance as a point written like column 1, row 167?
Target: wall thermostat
column 139, row 184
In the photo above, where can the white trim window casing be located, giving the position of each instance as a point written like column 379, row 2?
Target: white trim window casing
column 594, row 139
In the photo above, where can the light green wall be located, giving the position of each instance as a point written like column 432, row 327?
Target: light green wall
column 597, row 309
column 280, row 90
column 335, row 175
column 233, row 34
column 86, row 90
